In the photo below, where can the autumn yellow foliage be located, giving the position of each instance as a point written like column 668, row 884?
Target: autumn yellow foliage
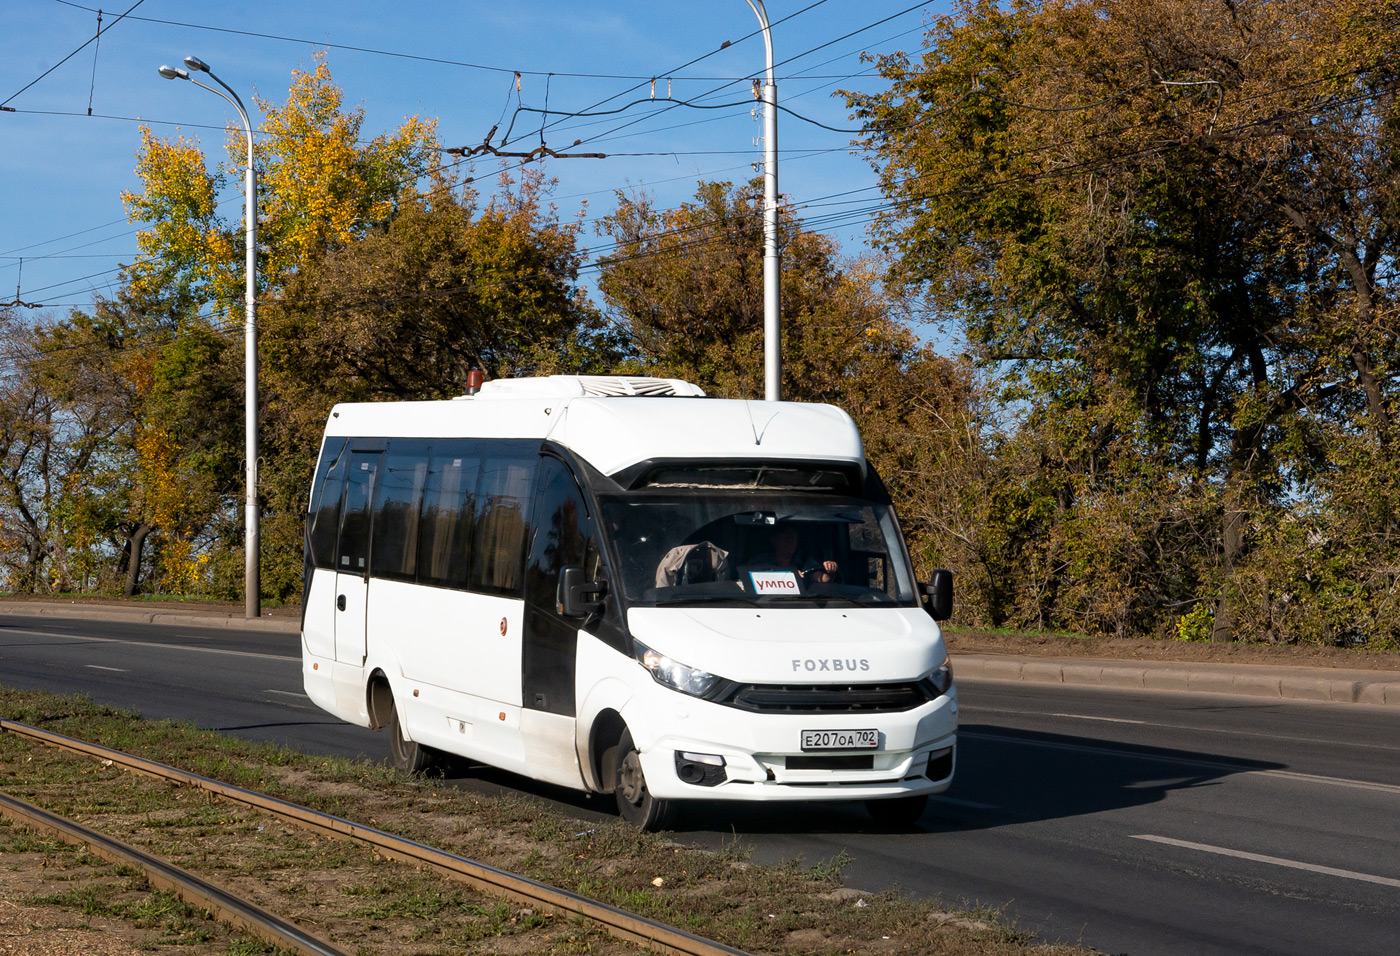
column 319, row 188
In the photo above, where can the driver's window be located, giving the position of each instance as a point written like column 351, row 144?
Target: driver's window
column 563, row 533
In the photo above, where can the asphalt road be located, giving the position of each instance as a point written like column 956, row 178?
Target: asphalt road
column 1142, row 823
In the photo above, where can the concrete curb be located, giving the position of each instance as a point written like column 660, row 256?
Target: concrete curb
column 1250, row 680
column 290, row 624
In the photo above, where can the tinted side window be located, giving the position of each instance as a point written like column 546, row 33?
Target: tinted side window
column 324, row 511
column 352, row 553
column 396, row 506
column 444, row 536
column 561, row 533
column 502, row 516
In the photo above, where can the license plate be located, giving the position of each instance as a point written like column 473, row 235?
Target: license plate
column 840, row 739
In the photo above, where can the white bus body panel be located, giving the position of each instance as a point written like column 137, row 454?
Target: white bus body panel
column 794, row 645
column 469, row 643
column 611, row 434
column 452, row 659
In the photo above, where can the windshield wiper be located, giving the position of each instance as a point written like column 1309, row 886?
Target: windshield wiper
column 844, row 597
column 737, row 597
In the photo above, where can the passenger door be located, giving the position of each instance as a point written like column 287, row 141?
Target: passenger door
column 352, row 557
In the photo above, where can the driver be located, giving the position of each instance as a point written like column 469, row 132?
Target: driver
column 784, row 556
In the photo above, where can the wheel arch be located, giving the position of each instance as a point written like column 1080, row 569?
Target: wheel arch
column 379, row 699
column 605, row 731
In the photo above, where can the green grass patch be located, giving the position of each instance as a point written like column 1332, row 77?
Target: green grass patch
column 369, row 905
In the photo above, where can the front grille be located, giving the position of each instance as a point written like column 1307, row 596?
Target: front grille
column 827, row 698
column 835, row 762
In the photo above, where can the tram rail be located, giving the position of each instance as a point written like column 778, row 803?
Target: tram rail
column 487, row 879
column 165, row 876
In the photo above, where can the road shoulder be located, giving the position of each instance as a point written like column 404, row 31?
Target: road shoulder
column 1333, row 685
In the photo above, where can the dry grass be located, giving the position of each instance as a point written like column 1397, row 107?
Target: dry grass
column 370, row 906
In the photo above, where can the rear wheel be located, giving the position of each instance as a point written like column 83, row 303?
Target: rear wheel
column 899, row 813
column 404, row 754
column 622, row 766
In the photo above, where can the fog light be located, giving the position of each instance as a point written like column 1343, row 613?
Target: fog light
column 940, row 764
column 700, row 770
column 714, row 760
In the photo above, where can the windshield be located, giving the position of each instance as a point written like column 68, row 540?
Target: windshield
column 710, row 546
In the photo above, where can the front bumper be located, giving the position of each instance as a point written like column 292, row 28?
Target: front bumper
column 763, row 759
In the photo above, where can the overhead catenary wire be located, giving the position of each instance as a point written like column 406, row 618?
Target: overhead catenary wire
column 375, row 51
column 869, row 212
column 671, row 153
column 1058, row 172
column 537, row 153
column 513, row 72
column 70, row 56
column 895, row 204
column 731, row 82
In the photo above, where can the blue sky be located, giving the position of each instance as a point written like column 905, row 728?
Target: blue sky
column 63, row 229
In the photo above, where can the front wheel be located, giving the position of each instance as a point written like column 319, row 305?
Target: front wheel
column 404, row 754
column 622, row 766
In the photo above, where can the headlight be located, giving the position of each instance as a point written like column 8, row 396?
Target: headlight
column 942, row 678
column 674, row 674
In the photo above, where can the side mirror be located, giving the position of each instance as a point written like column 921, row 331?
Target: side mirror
column 577, row 597
column 940, row 594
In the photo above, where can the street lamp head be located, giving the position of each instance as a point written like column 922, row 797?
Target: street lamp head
column 173, row 73
column 196, row 64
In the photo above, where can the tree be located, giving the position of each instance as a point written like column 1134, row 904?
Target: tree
column 150, row 460
column 441, row 288
column 27, row 440
column 687, row 284
column 1167, row 219
column 321, row 188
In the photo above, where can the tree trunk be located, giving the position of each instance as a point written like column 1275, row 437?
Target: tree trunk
column 1232, row 545
column 134, row 544
column 32, row 578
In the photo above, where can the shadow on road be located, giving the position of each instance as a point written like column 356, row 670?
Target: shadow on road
column 1006, row 777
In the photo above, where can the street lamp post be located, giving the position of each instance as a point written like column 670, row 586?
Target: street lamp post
column 252, row 587
column 772, row 333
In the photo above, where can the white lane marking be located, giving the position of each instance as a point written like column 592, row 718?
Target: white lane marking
column 1107, row 720
column 85, row 638
column 1331, row 781
column 1274, row 860
column 966, row 711
column 288, row 693
column 1217, row 765
column 99, row 667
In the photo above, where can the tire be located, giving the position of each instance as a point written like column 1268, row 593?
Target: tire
column 899, row 813
column 622, row 766
column 404, row 754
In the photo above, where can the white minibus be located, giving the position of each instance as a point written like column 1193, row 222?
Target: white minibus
column 624, row 586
